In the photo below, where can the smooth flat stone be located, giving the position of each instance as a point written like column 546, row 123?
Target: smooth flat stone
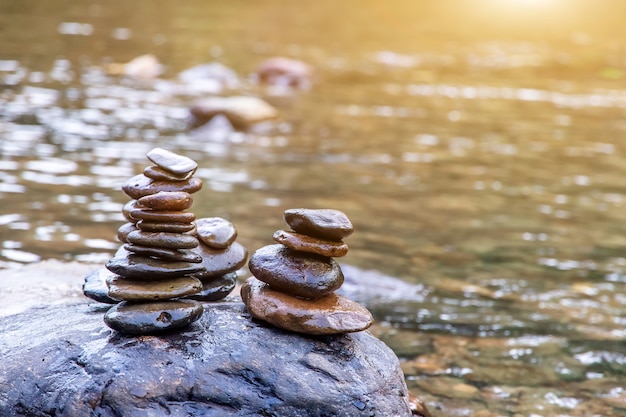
column 162, row 240
column 323, row 223
column 332, row 314
column 148, row 269
column 124, row 230
column 219, row 262
column 128, row 207
column 182, row 255
column 216, row 232
column 164, row 216
column 304, row 243
column 215, row 289
column 167, row 201
column 140, row 186
column 172, row 162
column 241, row 111
column 159, row 174
column 297, row 273
column 131, row 290
column 149, row 226
column 155, row 317
column 95, row 286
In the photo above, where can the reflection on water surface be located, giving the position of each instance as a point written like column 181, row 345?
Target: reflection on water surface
column 484, row 168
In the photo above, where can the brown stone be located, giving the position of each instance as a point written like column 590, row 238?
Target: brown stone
column 304, row 243
column 219, row 262
column 160, row 174
column 182, row 255
column 149, row 226
column 297, row 273
column 124, row 230
column 172, row 162
column 216, row 232
column 323, row 223
column 164, row 216
column 130, row 290
column 152, row 317
column 148, row 269
column 332, row 314
column 140, row 186
column 167, row 201
column 162, row 239
column 128, row 207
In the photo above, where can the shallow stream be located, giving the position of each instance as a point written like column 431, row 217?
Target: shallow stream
column 479, row 152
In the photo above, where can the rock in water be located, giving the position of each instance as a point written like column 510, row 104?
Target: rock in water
column 224, row 364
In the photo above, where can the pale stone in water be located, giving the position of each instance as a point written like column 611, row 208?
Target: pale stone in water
column 332, row 314
column 140, row 186
column 184, row 255
column 130, row 290
column 144, row 268
column 216, row 232
column 298, row 273
column 304, row 243
column 152, row 317
column 242, row 111
column 172, row 162
column 323, row 223
column 162, row 239
column 167, row 201
column 218, row 262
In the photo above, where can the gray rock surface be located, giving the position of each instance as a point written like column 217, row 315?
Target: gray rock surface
column 62, row 360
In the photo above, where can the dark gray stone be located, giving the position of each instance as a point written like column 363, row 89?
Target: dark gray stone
column 323, row 223
column 214, row 289
column 152, row 317
column 95, row 286
column 224, row 364
column 141, row 267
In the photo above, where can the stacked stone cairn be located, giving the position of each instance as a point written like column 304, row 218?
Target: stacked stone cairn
column 169, row 260
column 294, row 281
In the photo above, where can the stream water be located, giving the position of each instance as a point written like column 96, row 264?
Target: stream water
column 479, row 149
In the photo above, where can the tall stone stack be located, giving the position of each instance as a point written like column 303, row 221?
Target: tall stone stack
column 294, row 281
column 154, row 267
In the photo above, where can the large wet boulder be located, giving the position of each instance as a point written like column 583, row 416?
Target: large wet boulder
column 62, row 360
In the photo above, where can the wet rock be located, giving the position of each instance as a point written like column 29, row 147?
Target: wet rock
column 241, row 111
column 297, row 273
column 129, row 290
column 95, row 286
column 216, row 232
column 294, row 289
column 140, row 186
column 150, row 318
column 331, row 314
column 323, row 223
column 170, row 227
column 304, row 243
column 217, row 262
column 224, row 364
column 167, row 201
column 214, row 289
column 159, row 174
column 182, row 255
column 128, row 208
column 144, row 268
column 285, row 72
column 124, row 230
column 215, row 72
column 162, row 239
column 171, row 162
column 163, row 216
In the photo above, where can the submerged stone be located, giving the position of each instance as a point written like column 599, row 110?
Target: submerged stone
column 297, row 273
column 323, row 223
column 331, row 314
column 304, row 243
column 241, row 111
column 216, row 232
column 152, row 317
column 129, row 290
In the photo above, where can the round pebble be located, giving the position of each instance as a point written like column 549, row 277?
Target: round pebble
column 130, row 290
column 220, row 262
column 152, row 317
column 95, row 286
column 323, row 223
column 297, row 273
column 167, row 201
column 216, row 232
column 140, row 186
column 215, row 289
column 172, row 162
column 304, row 243
column 332, row 314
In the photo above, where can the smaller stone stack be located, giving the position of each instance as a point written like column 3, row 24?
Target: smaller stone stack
column 294, row 281
column 154, row 267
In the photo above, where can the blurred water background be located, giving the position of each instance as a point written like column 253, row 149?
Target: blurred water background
column 478, row 146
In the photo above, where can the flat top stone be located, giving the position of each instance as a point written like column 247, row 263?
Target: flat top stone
column 148, row 269
column 310, row 244
column 140, row 186
column 324, row 223
column 172, row 162
column 131, row 290
column 216, row 232
column 152, row 317
column 167, row 200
